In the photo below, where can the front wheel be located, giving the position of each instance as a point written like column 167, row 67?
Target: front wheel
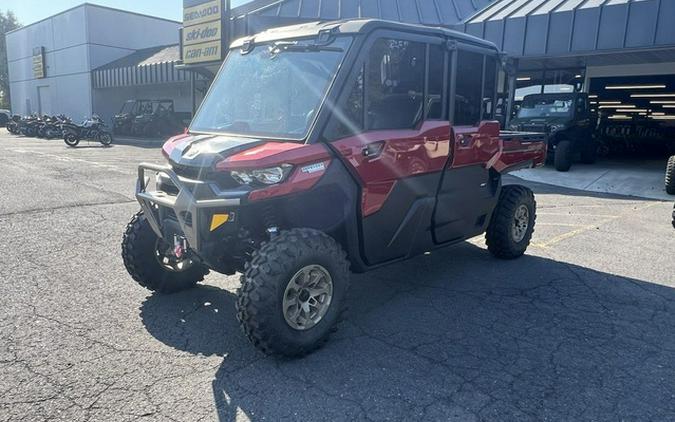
column 562, row 160
column 105, row 139
column 670, row 176
column 512, row 223
column 149, row 260
column 293, row 292
column 71, row 140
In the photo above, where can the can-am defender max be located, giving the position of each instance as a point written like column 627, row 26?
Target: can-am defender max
column 328, row 146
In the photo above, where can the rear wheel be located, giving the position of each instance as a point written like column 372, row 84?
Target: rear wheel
column 562, row 159
column 670, row 176
column 71, row 140
column 512, row 223
column 293, row 292
column 149, row 260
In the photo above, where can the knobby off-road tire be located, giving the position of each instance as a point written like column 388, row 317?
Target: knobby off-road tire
column 510, row 229
column 265, row 284
column 562, row 159
column 670, row 176
column 139, row 247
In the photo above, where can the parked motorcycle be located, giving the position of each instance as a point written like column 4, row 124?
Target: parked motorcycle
column 28, row 126
column 50, row 126
column 91, row 129
column 13, row 124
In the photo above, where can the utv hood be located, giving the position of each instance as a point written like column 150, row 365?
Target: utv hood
column 205, row 150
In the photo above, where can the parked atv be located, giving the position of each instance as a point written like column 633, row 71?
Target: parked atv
column 91, row 129
column 157, row 119
column 353, row 162
column 566, row 118
column 670, row 176
column 124, row 120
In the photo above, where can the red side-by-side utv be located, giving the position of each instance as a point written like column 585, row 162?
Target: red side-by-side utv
column 328, row 147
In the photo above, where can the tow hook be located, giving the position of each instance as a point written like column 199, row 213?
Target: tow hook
column 179, row 246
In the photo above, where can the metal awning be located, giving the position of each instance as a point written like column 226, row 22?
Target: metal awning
column 555, row 28
column 148, row 66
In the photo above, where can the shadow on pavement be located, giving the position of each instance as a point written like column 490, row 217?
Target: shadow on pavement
column 455, row 335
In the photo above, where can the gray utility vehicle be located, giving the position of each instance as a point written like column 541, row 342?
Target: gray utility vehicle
column 566, row 118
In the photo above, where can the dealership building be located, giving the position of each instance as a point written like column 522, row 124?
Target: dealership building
column 90, row 59
column 64, row 64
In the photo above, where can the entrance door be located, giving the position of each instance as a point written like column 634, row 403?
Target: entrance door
column 466, row 194
column 44, row 100
column 399, row 146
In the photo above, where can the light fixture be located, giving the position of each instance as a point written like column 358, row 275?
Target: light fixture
column 662, row 102
column 592, row 96
column 594, row 102
column 565, row 88
column 609, row 102
column 658, row 113
column 524, row 78
column 635, row 87
column 577, row 76
column 631, row 110
column 619, row 117
column 652, row 95
column 668, row 106
column 642, row 114
column 669, row 117
column 618, row 106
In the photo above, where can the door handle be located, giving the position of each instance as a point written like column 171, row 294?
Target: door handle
column 374, row 150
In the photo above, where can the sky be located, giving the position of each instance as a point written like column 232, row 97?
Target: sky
column 29, row 11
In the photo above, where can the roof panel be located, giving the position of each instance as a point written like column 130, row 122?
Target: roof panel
column 528, row 8
column 508, row 10
column 310, row 8
column 370, row 9
column 428, row 12
column 349, row 9
column 389, row 9
column 569, row 5
column 548, row 7
column 407, row 10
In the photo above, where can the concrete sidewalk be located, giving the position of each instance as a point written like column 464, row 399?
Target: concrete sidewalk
column 639, row 177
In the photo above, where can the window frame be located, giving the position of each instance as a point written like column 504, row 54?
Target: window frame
column 361, row 61
column 456, row 47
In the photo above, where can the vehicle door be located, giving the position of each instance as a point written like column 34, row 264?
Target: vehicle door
column 392, row 133
column 582, row 118
column 466, row 195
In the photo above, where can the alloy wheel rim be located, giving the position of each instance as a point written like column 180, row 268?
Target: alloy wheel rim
column 521, row 221
column 307, row 297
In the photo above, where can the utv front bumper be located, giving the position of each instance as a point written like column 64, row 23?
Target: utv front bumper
column 188, row 211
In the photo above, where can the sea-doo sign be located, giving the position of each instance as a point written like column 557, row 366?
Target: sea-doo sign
column 201, row 13
column 202, row 31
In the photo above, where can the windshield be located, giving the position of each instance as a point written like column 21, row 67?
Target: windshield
column 273, row 91
column 127, row 107
column 545, row 107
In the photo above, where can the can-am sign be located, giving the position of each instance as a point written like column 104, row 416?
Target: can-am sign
column 202, row 31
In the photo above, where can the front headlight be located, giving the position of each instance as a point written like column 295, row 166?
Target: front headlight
column 268, row 176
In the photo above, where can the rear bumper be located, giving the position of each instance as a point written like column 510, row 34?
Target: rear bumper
column 188, row 211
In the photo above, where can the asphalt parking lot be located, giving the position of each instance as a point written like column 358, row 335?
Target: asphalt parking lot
column 581, row 328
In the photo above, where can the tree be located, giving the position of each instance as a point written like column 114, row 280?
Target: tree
column 8, row 22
